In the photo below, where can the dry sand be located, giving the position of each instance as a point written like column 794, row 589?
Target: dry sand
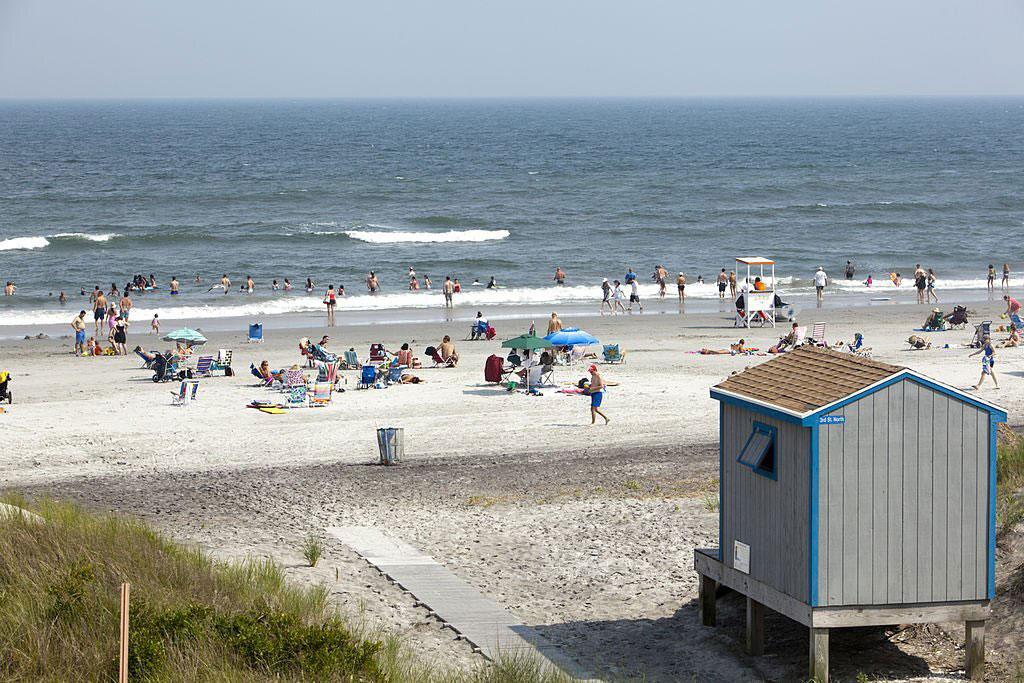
column 586, row 532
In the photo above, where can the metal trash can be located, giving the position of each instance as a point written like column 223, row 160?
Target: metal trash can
column 391, row 441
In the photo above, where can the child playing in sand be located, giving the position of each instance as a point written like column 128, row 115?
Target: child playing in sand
column 154, row 326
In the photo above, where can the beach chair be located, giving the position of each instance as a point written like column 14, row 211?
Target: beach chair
column 857, row 346
column 378, row 354
column 297, row 397
column 223, row 362
column 204, row 367
column 263, row 381
column 5, row 391
column 438, row 361
column 351, row 361
column 394, row 374
column 294, row 378
column 147, row 363
column 367, row 377
column 1017, row 322
column 255, row 333
column 981, row 331
column 613, row 354
column 818, row 334
column 327, row 372
column 186, row 393
column 321, row 395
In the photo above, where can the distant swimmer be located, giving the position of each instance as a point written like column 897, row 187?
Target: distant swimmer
column 493, row 284
column 63, row 299
column 174, row 286
column 10, row 289
column 559, row 276
column 476, row 283
column 870, row 281
column 850, row 270
column 274, row 286
column 198, row 280
column 412, row 274
column 310, row 285
column 896, row 279
column 426, row 281
column 372, row 283
column 287, row 285
column 249, row 284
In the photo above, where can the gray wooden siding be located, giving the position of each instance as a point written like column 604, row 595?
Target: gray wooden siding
column 902, row 512
column 771, row 516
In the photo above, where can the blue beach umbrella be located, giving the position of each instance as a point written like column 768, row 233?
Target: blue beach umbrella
column 572, row 336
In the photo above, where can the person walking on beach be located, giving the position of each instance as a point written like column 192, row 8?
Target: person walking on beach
column 596, row 392
column 681, row 286
column 850, row 270
column 820, row 282
column 606, row 293
column 99, row 310
column 448, row 289
column 920, row 282
column 154, row 325
column 559, row 276
column 330, row 300
column 929, row 281
column 723, row 280
column 991, row 279
column 634, row 295
column 1006, row 276
column 732, row 284
column 988, row 362
column 617, row 296
column 78, row 325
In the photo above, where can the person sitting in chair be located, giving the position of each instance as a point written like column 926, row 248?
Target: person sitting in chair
column 447, row 351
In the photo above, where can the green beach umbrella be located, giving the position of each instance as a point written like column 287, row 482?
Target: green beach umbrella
column 186, row 335
column 528, row 342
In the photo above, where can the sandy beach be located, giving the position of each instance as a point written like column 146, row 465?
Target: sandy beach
column 587, row 532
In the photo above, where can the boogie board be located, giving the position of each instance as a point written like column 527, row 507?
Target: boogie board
column 272, row 410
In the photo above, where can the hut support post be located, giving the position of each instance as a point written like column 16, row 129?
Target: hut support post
column 975, row 633
column 706, row 600
column 819, row 655
column 755, row 627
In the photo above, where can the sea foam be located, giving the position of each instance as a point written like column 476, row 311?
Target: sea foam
column 24, row 243
column 398, row 237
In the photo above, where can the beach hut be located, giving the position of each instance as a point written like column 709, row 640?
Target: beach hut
column 853, row 493
column 757, row 304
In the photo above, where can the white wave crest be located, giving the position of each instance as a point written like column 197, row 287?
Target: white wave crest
column 24, row 243
column 381, row 237
column 102, row 237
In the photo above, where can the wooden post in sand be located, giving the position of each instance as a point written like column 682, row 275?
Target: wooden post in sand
column 125, row 605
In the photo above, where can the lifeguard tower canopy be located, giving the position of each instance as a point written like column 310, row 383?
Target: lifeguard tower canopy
column 853, row 493
column 754, row 261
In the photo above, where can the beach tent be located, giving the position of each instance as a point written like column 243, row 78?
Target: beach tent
column 572, row 336
column 527, row 342
column 187, row 336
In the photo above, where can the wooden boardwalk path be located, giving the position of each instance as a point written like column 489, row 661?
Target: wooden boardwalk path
column 490, row 628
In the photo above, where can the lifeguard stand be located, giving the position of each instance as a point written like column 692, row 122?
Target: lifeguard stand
column 759, row 305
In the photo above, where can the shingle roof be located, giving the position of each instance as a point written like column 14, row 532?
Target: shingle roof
column 807, row 378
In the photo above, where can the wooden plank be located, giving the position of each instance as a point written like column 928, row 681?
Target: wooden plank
column 865, row 499
column 818, row 656
column 707, row 565
column 981, row 525
column 480, row 620
column 851, row 497
column 975, row 645
column 895, row 507
column 910, row 501
column 836, row 518
column 706, row 601
column 755, row 628
column 955, row 511
column 887, row 615
column 969, row 506
column 880, row 499
column 930, row 446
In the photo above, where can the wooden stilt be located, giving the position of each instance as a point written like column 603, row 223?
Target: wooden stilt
column 125, row 607
column 755, row 628
column 706, row 600
column 975, row 650
column 819, row 655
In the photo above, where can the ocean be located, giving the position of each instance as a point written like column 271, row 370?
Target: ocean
column 92, row 193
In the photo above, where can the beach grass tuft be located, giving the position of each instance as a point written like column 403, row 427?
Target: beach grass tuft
column 313, row 549
column 1010, row 483
column 192, row 618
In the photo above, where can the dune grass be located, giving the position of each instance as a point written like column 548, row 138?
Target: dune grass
column 1010, row 484
column 192, row 618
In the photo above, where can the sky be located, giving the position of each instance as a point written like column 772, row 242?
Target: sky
column 528, row 48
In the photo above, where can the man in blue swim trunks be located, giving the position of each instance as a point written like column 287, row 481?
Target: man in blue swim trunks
column 596, row 392
column 78, row 325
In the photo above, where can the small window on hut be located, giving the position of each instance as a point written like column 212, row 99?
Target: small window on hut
column 759, row 452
